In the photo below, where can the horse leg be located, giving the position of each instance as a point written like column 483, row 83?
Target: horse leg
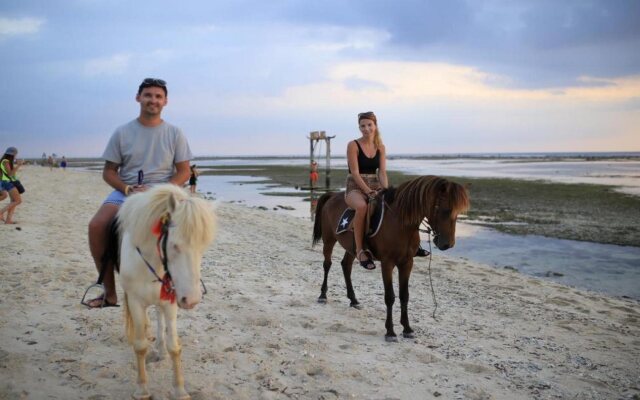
column 404, row 274
column 140, row 344
column 159, row 352
column 327, row 250
column 175, row 351
column 347, row 264
column 389, row 299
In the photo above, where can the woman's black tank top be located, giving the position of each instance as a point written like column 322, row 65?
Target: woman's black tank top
column 367, row 165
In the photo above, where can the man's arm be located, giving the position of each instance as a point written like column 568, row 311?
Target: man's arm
column 110, row 175
column 182, row 173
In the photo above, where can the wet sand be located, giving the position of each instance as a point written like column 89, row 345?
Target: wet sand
column 260, row 334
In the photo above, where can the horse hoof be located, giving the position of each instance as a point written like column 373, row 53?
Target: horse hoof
column 409, row 335
column 391, row 339
column 357, row 306
column 143, row 396
column 322, row 300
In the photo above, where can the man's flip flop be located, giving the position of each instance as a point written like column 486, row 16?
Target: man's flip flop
column 104, row 303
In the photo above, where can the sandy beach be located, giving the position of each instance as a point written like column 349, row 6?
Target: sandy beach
column 260, row 333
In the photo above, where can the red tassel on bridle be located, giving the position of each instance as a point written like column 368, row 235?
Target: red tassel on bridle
column 167, row 292
column 160, row 230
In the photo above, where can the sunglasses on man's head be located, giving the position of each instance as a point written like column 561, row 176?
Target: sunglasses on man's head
column 368, row 113
column 154, row 82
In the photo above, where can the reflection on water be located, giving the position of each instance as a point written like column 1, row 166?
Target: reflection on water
column 605, row 268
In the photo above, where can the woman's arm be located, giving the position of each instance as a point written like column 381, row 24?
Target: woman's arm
column 11, row 171
column 382, row 170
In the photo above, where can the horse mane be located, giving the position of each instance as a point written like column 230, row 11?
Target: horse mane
column 192, row 217
column 416, row 199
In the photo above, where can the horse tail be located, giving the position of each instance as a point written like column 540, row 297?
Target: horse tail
column 128, row 320
column 317, row 224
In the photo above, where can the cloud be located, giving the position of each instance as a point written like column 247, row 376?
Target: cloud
column 19, row 26
column 536, row 44
column 349, row 85
column 113, row 65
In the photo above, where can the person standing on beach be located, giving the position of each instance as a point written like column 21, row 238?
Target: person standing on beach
column 141, row 153
column 193, row 179
column 366, row 159
column 9, row 168
column 313, row 174
column 63, row 163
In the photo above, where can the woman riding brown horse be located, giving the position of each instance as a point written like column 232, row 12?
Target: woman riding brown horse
column 438, row 200
column 366, row 159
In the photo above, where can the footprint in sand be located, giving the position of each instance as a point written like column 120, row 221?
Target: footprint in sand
column 561, row 301
column 340, row 328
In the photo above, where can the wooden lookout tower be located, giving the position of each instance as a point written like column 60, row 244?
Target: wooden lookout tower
column 315, row 140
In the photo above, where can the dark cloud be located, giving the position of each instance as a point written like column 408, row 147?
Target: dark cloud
column 534, row 43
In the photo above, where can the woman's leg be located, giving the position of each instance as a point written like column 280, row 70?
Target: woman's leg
column 357, row 201
column 16, row 199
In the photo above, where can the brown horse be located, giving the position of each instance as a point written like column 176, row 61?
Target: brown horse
column 438, row 200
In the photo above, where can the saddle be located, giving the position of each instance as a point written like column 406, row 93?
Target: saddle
column 373, row 221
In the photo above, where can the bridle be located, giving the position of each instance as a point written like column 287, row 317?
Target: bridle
column 161, row 229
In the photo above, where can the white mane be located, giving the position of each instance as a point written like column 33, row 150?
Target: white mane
column 192, row 217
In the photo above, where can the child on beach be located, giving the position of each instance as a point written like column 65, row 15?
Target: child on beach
column 9, row 167
column 313, row 174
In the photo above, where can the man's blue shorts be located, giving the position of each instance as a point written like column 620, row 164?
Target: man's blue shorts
column 7, row 185
column 116, row 197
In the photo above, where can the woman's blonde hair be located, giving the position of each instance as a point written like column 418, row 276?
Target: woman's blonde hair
column 377, row 140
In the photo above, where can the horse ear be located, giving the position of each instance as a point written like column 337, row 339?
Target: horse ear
column 173, row 203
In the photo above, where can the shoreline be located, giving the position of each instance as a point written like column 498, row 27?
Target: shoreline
column 260, row 334
column 583, row 212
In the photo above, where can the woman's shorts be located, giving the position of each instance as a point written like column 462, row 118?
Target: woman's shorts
column 7, row 185
column 370, row 179
column 116, row 197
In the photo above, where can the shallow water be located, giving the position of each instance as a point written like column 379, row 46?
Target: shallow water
column 624, row 174
column 610, row 269
column 606, row 268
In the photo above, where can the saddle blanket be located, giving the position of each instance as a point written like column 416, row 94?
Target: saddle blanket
column 345, row 222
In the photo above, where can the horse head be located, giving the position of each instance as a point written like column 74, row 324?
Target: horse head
column 190, row 232
column 178, row 227
column 451, row 199
column 438, row 200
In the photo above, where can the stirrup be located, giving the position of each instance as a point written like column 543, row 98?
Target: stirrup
column 84, row 301
column 368, row 264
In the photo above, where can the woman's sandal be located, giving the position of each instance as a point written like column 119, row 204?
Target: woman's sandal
column 368, row 263
column 422, row 252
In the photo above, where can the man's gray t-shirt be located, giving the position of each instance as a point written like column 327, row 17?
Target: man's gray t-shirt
column 135, row 147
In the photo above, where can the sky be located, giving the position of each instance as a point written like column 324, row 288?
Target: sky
column 254, row 77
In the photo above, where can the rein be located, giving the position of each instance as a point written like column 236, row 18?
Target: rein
column 161, row 229
column 428, row 231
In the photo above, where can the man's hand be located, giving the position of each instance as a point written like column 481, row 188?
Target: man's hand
column 138, row 188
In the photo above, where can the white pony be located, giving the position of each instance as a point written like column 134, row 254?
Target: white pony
column 164, row 233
